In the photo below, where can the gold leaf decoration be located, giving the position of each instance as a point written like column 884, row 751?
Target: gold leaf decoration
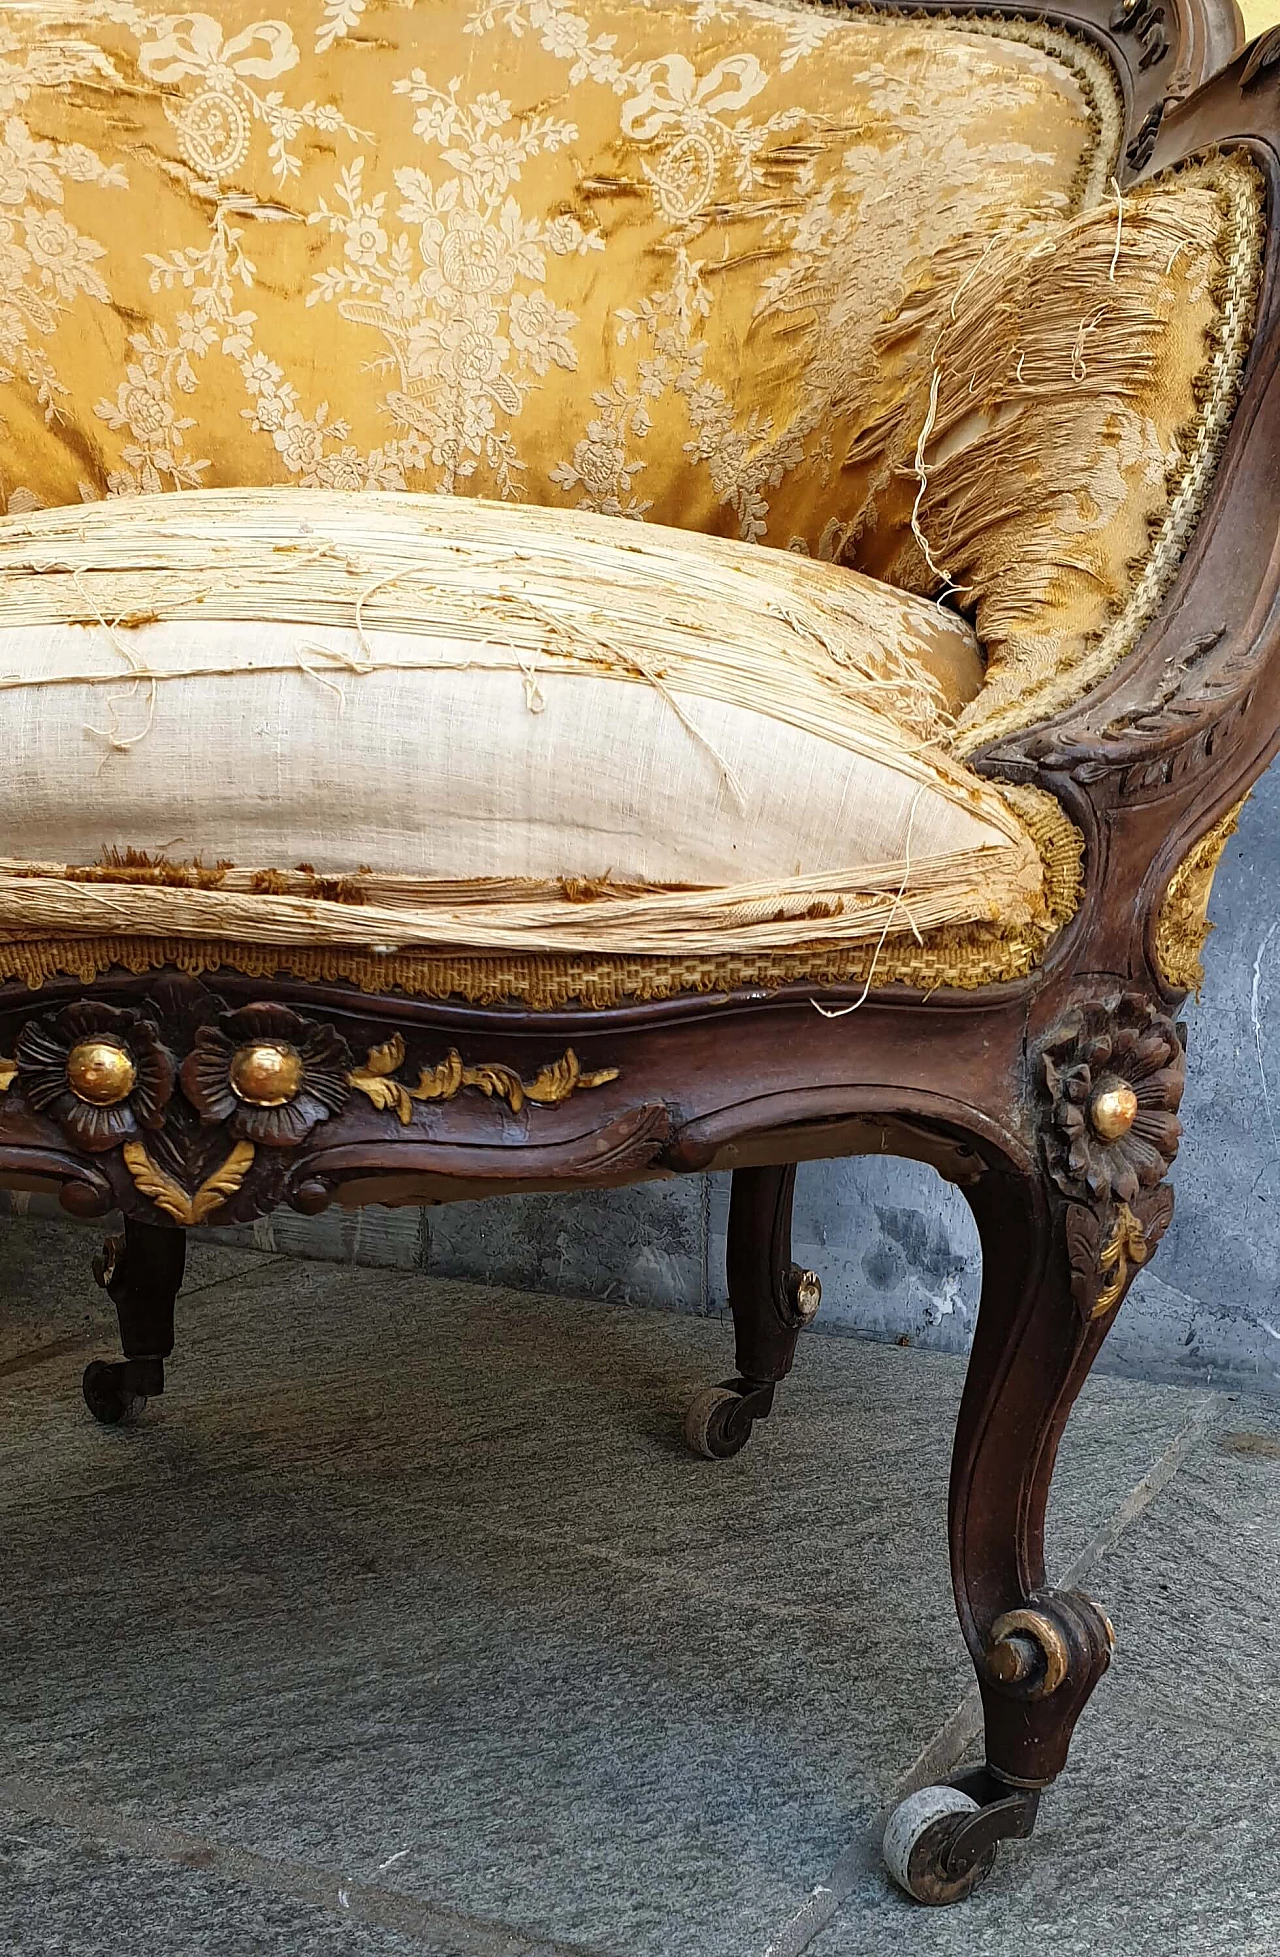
column 558, row 1081
column 374, row 1078
column 552, row 1084
column 172, row 1198
column 215, row 1189
column 442, row 1082
column 1126, row 1247
column 498, row 1083
column 8, row 1073
column 385, row 1059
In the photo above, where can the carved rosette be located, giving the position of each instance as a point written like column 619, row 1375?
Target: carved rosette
column 267, row 1072
column 99, row 1071
column 1113, row 1074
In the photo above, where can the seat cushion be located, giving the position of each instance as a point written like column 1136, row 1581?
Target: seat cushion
column 622, row 258
column 292, row 716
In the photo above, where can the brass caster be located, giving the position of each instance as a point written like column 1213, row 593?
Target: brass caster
column 804, row 1289
column 106, row 1261
column 1034, row 1650
column 918, row 1842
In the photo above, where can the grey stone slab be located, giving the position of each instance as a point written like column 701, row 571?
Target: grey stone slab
column 49, row 1301
column 413, row 1573
column 376, row 1236
column 1160, row 1838
column 64, row 1889
column 1196, row 1585
column 1150, row 1846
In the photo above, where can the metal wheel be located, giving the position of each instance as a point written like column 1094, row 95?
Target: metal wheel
column 917, row 1844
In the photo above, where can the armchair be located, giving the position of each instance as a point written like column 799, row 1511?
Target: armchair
column 455, row 836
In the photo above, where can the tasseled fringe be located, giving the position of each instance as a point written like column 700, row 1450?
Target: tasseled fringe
column 1046, row 382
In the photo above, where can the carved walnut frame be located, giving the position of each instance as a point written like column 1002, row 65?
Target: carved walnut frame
column 1051, row 1102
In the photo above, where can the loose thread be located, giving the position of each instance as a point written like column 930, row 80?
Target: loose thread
column 1115, row 256
column 116, row 742
column 842, row 1012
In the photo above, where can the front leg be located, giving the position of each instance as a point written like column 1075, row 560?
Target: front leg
column 1060, row 1247
column 142, row 1274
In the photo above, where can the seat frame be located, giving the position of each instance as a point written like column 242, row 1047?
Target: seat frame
column 978, row 1083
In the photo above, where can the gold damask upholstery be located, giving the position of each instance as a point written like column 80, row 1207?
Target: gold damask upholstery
column 627, row 258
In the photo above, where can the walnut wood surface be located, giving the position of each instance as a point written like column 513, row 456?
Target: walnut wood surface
column 972, row 1082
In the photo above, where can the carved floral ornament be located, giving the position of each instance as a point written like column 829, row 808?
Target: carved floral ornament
column 260, row 1077
column 1113, row 1072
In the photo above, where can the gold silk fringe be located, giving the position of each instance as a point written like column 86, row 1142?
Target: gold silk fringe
column 1182, row 922
column 961, row 956
column 1018, row 377
column 1241, row 204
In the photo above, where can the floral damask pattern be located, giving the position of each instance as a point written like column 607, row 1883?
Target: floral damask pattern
column 631, row 258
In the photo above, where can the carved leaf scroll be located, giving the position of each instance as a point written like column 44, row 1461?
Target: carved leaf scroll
column 551, row 1085
column 1106, row 1249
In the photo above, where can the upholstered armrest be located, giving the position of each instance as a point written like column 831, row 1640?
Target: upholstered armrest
column 1163, row 747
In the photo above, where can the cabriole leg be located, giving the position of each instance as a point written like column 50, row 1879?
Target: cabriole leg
column 1060, row 1246
column 142, row 1274
column 1054, row 1273
column 772, row 1300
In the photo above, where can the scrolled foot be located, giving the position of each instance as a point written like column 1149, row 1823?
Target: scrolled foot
column 718, row 1420
column 1056, row 1638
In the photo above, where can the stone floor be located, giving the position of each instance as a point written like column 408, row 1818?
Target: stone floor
column 405, row 1624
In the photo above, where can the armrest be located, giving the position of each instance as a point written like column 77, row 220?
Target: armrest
column 1162, row 747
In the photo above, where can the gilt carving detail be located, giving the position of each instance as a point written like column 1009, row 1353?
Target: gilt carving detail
column 443, row 1082
column 204, row 1108
column 1112, row 1073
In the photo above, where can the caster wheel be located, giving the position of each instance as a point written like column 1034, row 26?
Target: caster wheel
column 106, row 1397
column 916, row 1844
column 709, row 1426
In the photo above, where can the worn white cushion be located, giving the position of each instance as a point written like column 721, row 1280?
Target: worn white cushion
column 412, row 693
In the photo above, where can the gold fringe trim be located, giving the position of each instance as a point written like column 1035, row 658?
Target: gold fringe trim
column 1182, row 924
column 1062, row 682
column 960, row 956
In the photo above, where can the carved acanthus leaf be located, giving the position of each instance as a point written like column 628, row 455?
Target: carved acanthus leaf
column 168, row 1194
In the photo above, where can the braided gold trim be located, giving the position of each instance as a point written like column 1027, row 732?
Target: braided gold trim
column 1242, row 198
column 1182, row 924
column 963, row 955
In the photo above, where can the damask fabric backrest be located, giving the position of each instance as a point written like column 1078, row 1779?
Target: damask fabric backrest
column 624, row 257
